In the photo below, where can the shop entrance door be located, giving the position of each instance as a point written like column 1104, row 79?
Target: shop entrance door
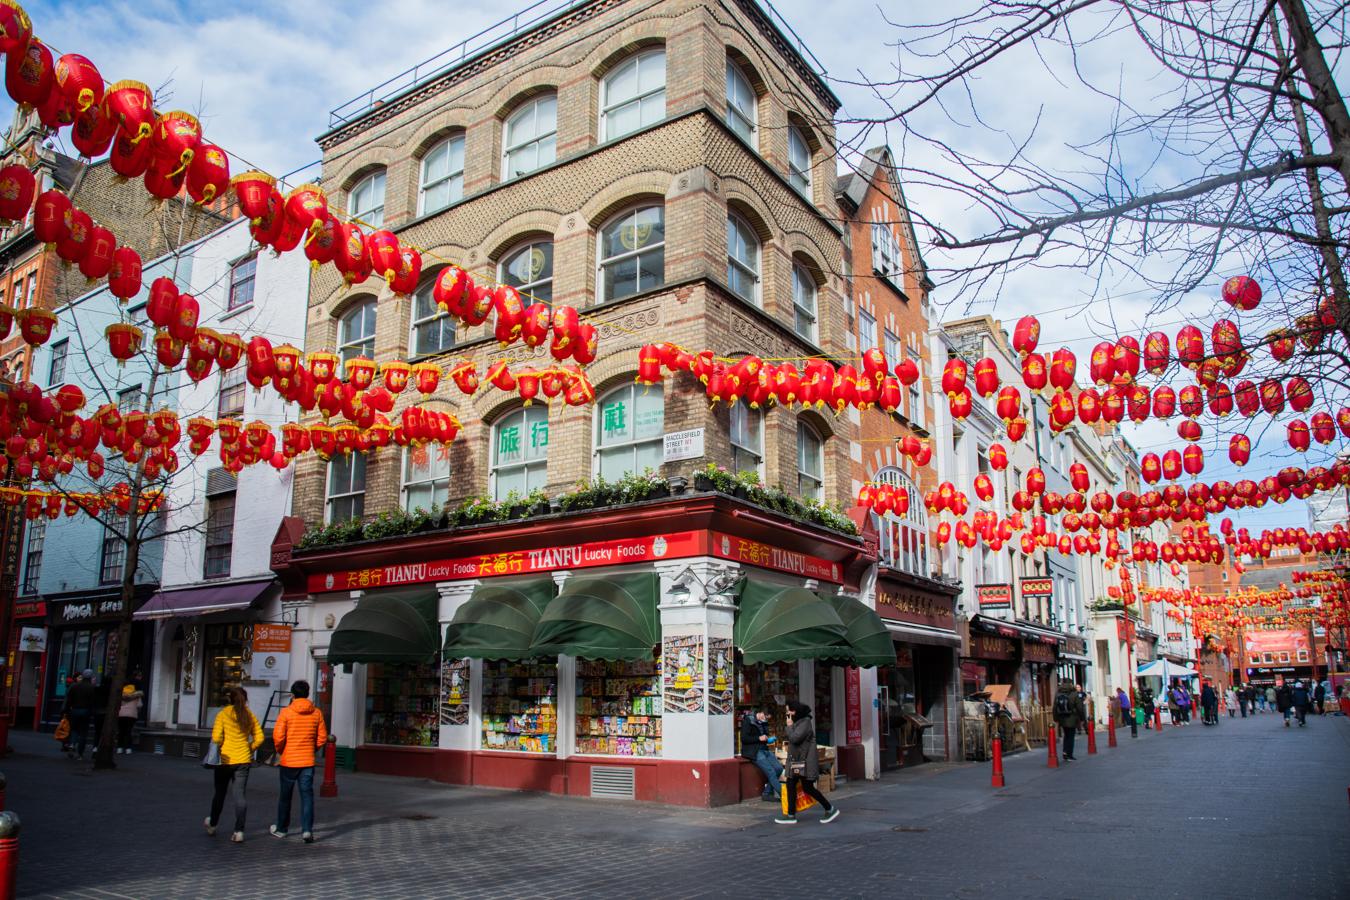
column 222, row 666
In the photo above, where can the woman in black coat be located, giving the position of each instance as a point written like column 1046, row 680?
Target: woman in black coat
column 803, row 764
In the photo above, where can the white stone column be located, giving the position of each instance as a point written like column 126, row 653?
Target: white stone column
column 453, row 595
column 566, row 699
column 694, row 602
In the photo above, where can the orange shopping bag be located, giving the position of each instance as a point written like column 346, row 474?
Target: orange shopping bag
column 62, row 730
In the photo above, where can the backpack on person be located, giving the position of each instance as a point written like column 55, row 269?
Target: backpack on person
column 1063, row 705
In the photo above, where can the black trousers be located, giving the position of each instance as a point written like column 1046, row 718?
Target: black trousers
column 124, row 726
column 808, row 786
column 1066, row 738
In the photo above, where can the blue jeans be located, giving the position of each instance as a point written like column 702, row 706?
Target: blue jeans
column 289, row 779
column 771, row 767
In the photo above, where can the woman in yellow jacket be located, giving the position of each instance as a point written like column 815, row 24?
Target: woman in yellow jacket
column 239, row 734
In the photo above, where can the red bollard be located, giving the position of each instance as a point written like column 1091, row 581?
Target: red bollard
column 1110, row 731
column 1092, row 737
column 997, row 780
column 1157, row 719
column 9, row 855
column 329, row 786
column 1052, row 758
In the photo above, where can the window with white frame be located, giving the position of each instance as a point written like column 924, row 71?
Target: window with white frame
column 426, row 476
column 530, row 138
column 432, row 329
column 810, row 462
column 230, row 400
column 891, row 347
column 916, row 389
column 56, row 374
column 633, row 96
column 520, row 452
column 747, row 439
column 243, row 277
column 633, row 253
column 219, row 535
column 32, row 573
column 903, row 538
column 885, row 250
column 442, row 180
column 529, row 269
column 799, row 160
column 356, row 331
column 346, row 487
column 742, row 258
column 365, row 201
column 130, row 399
column 113, row 562
column 867, row 330
column 741, row 112
column 630, row 425
column 803, row 302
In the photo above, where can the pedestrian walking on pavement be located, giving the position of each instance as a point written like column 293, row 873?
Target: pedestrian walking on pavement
column 1271, row 701
column 1209, row 705
column 1302, row 700
column 126, row 716
column 1244, row 697
column 79, row 709
column 803, row 766
column 1123, row 702
column 757, row 746
column 239, row 735
column 1320, row 695
column 1069, row 711
column 99, row 715
column 297, row 736
column 1146, row 700
column 1230, row 701
column 1284, row 701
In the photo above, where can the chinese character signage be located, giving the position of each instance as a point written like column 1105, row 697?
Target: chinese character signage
column 1038, row 587
column 994, row 596
column 765, row 556
column 852, row 706
column 902, row 603
column 271, row 652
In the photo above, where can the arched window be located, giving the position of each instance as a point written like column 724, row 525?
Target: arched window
column 630, row 423
column 799, row 160
column 742, row 258
column 426, row 476
column 432, row 329
column 356, row 331
column 530, row 139
column 633, row 253
column 633, row 96
column 529, row 269
column 365, row 201
column 904, row 539
column 442, row 176
column 740, row 103
column 520, row 452
column 810, row 463
column 747, row 439
column 803, row 302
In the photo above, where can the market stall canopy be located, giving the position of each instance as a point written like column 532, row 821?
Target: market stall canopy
column 782, row 624
column 498, row 621
column 201, row 601
column 389, row 627
column 1161, row 668
column 865, row 632
column 602, row 617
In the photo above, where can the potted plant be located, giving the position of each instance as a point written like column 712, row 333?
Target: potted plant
column 536, row 503
column 580, row 498
column 475, row 511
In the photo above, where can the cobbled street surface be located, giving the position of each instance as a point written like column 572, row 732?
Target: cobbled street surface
column 1247, row 809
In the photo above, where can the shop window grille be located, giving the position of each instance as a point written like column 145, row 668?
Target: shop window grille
column 192, row 750
column 612, row 783
column 159, row 748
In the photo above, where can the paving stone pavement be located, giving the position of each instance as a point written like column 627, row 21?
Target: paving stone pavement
column 1247, row 809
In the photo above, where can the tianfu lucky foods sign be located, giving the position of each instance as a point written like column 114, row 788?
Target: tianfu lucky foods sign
column 653, row 548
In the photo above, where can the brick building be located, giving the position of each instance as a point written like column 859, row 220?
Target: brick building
column 888, row 309
column 666, row 167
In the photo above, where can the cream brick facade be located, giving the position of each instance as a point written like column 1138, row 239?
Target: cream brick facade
column 690, row 161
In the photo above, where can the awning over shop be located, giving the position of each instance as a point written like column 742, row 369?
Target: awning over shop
column 778, row 624
column 865, row 632
column 389, row 627
column 1161, row 668
column 922, row 634
column 1075, row 658
column 201, row 601
column 498, row 621
column 602, row 617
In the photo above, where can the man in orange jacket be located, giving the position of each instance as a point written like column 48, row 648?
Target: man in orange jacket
column 297, row 736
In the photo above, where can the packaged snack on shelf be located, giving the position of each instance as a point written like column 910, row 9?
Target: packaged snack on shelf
column 619, row 707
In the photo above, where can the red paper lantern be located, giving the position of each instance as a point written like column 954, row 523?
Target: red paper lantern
column 174, row 141
column 1113, row 406
column 1298, row 394
column 954, row 376
column 1078, row 477
column 98, row 254
column 51, row 217
column 1272, row 396
column 79, row 81
column 73, row 244
column 18, row 186
column 231, row 351
column 168, row 349
column 1247, row 398
column 1062, row 410
column 1016, row 429
column 1298, row 435
column 1125, row 357
column 1239, row 449
column 130, row 106
column 396, row 373
column 186, row 312
column 15, row 28
column 128, row 158
column 253, row 190
column 1034, row 374
column 409, row 272
column 1157, row 348
column 1343, row 420
column 1189, row 430
column 450, row 289
column 1190, row 346
column 1171, row 465
column 1220, row 400
column 262, row 365
column 1026, row 335
column 383, row 249
column 1150, row 468
column 1101, row 365
column 427, row 377
column 124, row 340
column 36, row 325
column 1323, row 428
column 30, row 74
column 1241, row 292
column 1063, row 367
column 1227, row 341
column 209, row 175
column 124, row 274
column 907, row 371
column 998, row 457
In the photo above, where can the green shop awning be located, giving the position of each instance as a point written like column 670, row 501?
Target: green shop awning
column 498, row 621
column 866, row 633
column 602, row 617
column 778, row 624
column 391, row 627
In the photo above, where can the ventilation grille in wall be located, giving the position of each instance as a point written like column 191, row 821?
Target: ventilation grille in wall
column 612, row 783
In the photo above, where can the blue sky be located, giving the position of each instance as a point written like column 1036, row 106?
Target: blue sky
column 264, row 76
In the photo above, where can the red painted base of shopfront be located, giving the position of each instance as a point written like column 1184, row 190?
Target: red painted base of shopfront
column 676, row 782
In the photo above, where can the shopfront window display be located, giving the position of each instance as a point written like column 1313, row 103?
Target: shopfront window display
column 520, row 710
column 619, row 707
column 223, row 664
column 402, row 704
column 824, row 706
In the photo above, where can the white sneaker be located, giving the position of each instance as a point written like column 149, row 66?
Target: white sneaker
column 237, row 837
column 210, row 829
column 786, row 820
column 830, row 816
column 272, row 830
column 308, row 837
